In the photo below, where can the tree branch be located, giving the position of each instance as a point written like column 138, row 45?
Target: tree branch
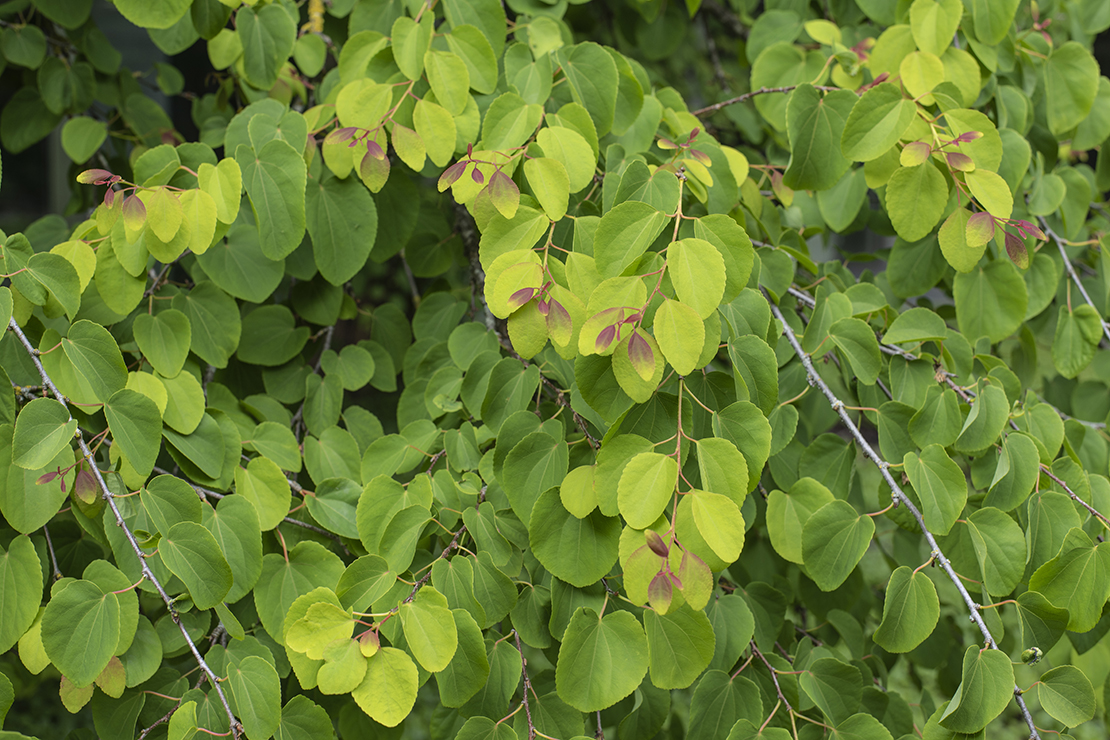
column 1075, row 277
column 898, row 495
column 108, row 496
column 748, row 95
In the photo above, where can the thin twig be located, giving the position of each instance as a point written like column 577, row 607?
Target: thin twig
column 411, row 279
column 1075, row 277
column 774, row 677
column 748, row 95
column 53, row 557
column 451, row 546
column 160, row 721
column 898, row 496
column 527, row 686
column 107, row 495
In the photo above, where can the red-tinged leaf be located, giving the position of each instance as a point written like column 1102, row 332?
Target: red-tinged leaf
column 504, row 193
column 559, row 324
column 1015, row 247
column 109, row 198
column 656, row 543
column 1026, row 228
column 374, row 149
column 477, row 176
column 544, row 307
column 697, row 580
column 960, row 162
column 369, row 643
column 915, row 153
column 675, row 580
column 519, row 298
column 641, row 356
column 340, row 134
column 605, row 337
column 701, row 157
column 373, row 171
column 469, row 151
column 84, row 487
column 979, row 229
column 665, row 143
column 660, row 593
column 968, row 136
column 449, row 176
column 693, row 135
column 94, row 177
column 134, row 212
column 47, row 477
column 631, row 319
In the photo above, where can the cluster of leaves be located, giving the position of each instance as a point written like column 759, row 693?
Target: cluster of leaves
column 658, row 452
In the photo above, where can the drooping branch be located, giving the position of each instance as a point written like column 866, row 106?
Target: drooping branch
column 968, row 396
column 108, row 496
column 898, row 496
column 1075, row 277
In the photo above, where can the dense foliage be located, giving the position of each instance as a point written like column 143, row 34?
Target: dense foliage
column 461, row 381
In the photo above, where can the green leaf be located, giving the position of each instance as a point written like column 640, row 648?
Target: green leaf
column 988, row 684
column 164, row 339
column 835, row 687
column 436, row 129
column 697, row 271
column 550, row 184
column 224, row 183
column 82, row 137
column 411, row 41
column 990, row 300
column 755, row 365
column 96, row 356
column 1016, row 474
column 262, row 483
column 234, row 525
column 1067, row 695
column 168, row 500
column 934, row 24
column 940, row 484
column 1078, row 334
column 781, row 65
column 646, row 487
column 468, row 670
column 80, row 630
column 214, row 317
column 910, row 611
column 578, row 551
column 268, row 36
column 153, row 15
column 720, row 702
column 592, row 77
column 192, row 554
column 136, row 426
column 20, row 591
column 915, row 200
column 952, row 236
column 834, row 539
column 388, row 692
column 270, row 337
column 861, row 727
column 876, row 123
column 302, row 719
column 858, row 343
column 1071, row 83
column 535, row 464
column 719, row 521
column 274, row 178
column 1077, row 579
column 815, row 123
column 988, row 417
column 680, row 334
column 625, row 233
column 601, row 659
column 680, row 646
column 42, row 430
column 430, row 629
column 255, row 695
